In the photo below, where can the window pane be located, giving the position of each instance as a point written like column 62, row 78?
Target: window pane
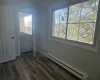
column 56, row 23
column 25, row 22
column 74, row 13
column 59, row 32
column 28, row 24
column 86, row 33
column 62, row 30
column 63, row 20
column 59, row 23
column 56, row 16
column 63, row 15
column 89, row 11
column 55, row 30
column 72, row 32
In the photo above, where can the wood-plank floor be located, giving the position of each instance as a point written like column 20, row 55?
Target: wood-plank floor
column 26, row 67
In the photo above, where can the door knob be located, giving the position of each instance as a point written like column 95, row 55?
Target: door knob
column 12, row 37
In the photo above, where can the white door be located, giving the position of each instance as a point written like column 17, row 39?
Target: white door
column 26, row 36
column 7, row 41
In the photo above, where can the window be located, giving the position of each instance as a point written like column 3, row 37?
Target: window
column 76, row 22
column 25, row 21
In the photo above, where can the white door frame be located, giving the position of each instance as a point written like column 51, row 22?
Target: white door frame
column 33, row 22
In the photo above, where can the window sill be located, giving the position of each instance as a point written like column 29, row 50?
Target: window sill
column 73, row 43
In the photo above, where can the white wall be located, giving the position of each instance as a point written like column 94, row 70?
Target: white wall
column 83, row 60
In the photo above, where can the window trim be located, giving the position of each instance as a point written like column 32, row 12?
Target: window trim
column 91, row 47
column 74, row 43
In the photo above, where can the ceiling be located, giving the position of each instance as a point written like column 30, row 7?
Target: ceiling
column 38, row 0
column 18, row 1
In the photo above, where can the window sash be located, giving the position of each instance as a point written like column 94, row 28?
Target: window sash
column 78, row 31
column 75, row 23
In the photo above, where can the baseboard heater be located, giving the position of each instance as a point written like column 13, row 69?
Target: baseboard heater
column 72, row 70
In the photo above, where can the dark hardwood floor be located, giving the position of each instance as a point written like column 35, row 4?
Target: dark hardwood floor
column 26, row 67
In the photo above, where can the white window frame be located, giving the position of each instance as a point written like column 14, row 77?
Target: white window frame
column 92, row 47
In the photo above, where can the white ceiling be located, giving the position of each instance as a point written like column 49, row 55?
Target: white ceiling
column 38, row 0
column 15, row 2
column 35, row 0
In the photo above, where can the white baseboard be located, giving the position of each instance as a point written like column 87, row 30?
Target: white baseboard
column 69, row 68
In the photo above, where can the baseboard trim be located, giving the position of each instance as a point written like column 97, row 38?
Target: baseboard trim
column 69, row 68
column 27, row 52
